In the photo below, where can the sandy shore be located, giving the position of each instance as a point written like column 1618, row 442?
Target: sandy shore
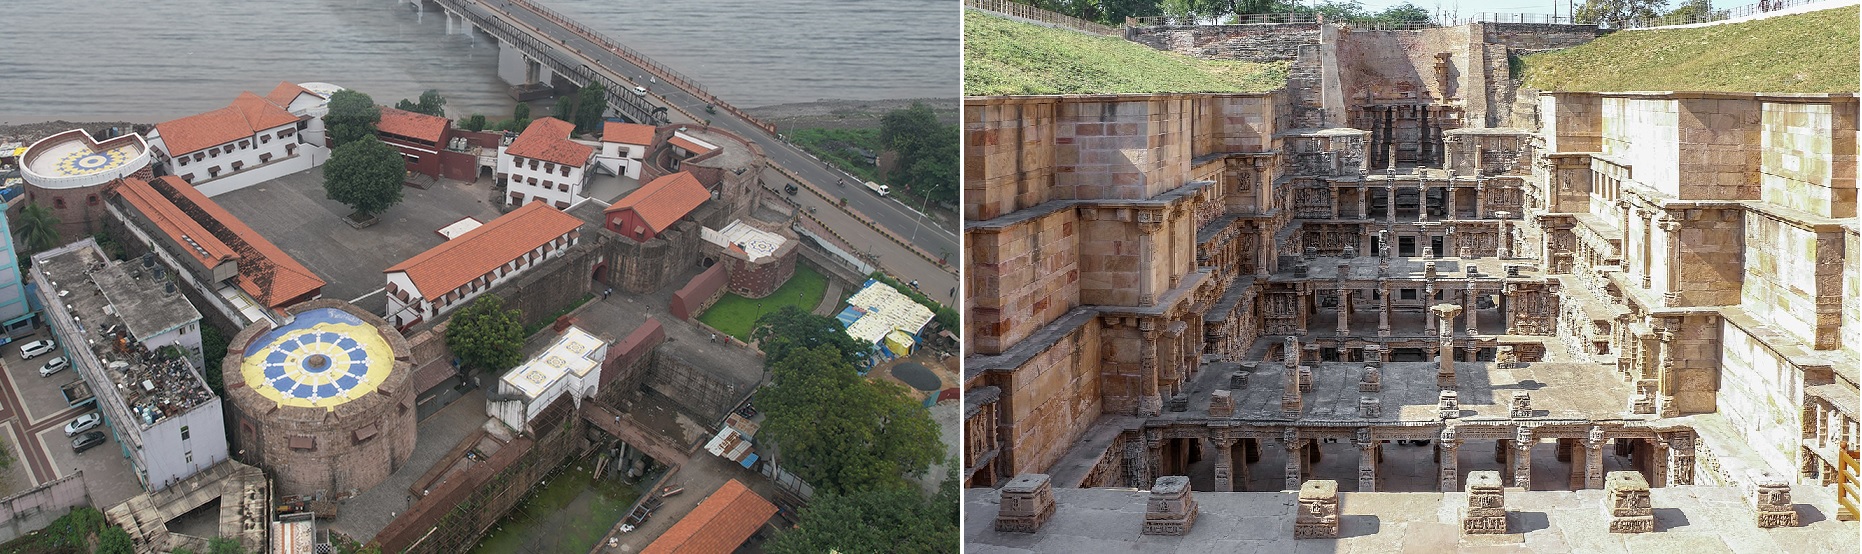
column 848, row 114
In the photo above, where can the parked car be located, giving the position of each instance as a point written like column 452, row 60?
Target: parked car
column 36, row 348
column 86, row 441
column 83, row 423
column 56, row 365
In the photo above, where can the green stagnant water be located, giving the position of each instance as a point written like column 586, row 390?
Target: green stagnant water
column 570, row 512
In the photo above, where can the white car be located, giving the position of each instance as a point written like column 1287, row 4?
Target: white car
column 36, row 348
column 56, row 365
column 83, row 423
column 640, row 91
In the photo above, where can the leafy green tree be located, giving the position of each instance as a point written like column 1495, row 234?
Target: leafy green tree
column 474, row 123
column 366, row 175
column 352, row 116
column 1618, row 13
column 564, row 108
column 590, row 104
column 1402, row 13
column 1694, row 11
column 36, row 227
column 927, row 151
column 430, row 103
column 213, row 344
column 791, row 328
column 114, row 540
column 521, row 112
column 842, row 432
column 223, row 545
column 884, row 520
column 485, row 335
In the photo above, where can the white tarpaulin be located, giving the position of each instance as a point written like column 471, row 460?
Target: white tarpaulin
column 887, row 310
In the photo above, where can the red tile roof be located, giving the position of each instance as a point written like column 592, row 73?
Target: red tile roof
column 479, row 251
column 412, row 125
column 547, row 139
column 248, row 115
column 627, row 133
column 285, row 92
column 180, row 228
column 689, row 146
column 265, row 271
column 664, row 200
column 718, row 525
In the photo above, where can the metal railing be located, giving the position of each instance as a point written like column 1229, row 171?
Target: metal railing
column 620, row 97
column 1233, row 19
column 1848, row 493
column 1763, row 7
column 1031, row 13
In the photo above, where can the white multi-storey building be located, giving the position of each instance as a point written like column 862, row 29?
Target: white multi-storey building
column 624, row 147
column 255, row 139
column 458, row 270
column 543, row 164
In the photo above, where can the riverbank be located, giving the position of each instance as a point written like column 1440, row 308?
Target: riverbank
column 849, row 114
column 29, row 132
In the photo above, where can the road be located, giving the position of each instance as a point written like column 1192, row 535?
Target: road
column 930, row 240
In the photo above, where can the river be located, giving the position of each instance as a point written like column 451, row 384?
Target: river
column 152, row 61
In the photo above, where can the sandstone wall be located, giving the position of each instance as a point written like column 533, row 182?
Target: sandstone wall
column 1808, row 156
column 1642, row 132
column 1704, row 262
column 1251, row 43
column 1533, row 37
column 1571, row 121
column 1008, row 161
column 1019, row 278
column 1793, row 277
column 1051, row 400
column 1124, row 147
column 1760, row 393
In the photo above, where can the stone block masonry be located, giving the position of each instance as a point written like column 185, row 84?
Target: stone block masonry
column 1172, row 510
column 1626, row 501
column 1027, row 502
column 1318, row 510
column 1485, row 513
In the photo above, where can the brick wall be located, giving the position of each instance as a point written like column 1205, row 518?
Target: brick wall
column 692, row 388
column 1252, row 43
column 699, row 293
column 759, row 279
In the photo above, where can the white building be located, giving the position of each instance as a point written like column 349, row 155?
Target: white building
column 624, row 147
column 543, row 164
column 102, row 314
column 256, row 139
column 572, row 366
column 458, row 270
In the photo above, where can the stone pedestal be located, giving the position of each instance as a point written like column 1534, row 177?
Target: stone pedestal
column 1448, row 403
column 1485, row 513
column 1626, row 501
column 1305, row 378
column 1221, row 404
column 1027, row 502
column 1370, row 407
column 1372, row 381
column 1771, row 501
column 1318, row 511
column 1171, row 510
column 1522, row 404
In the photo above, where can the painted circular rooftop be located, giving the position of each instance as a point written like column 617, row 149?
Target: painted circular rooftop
column 74, row 154
column 322, row 359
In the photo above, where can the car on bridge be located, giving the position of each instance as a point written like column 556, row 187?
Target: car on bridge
column 640, row 91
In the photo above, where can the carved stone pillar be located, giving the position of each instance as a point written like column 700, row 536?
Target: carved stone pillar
column 1296, row 458
column 1448, row 449
column 1658, row 461
column 1149, row 224
column 1224, row 463
column 1344, row 301
column 1522, row 458
column 1390, row 201
column 1468, row 305
column 1445, row 374
column 1367, row 461
column 1383, row 312
column 1305, row 306
column 1665, row 377
column 1480, row 195
column 1681, row 458
column 1593, row 458
column 1448, row 199
column 1364, row 202
column 1150, row 403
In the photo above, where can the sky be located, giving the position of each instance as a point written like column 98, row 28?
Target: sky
column 1471, row 7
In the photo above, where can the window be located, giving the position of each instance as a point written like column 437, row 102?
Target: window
column 190, row 457
column 533, row 164
column 548, row 184
column 213, row 171
column 561, row 205
column 245, row 143
column 265, row 157
column 517, row 198
column 549, row 167
column 181, row 162
column 1408, row 294
column 90, row 200
column 184, row 432
column 238, row 165
column 565, row 171
column 189, row 177
column 563, row 187
column 265, row 139
column 58, row 203
column 199, row 156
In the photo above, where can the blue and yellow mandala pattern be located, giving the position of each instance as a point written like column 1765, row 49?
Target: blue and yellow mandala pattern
column 86, row 162
column 320, row 360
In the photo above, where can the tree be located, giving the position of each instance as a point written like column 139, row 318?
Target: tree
column 431, row 103
column 114, row 540
column 352, row 116
column 1617, row 14
column 564, row 108
column 223, row 545
column 36, row 227
column 366, row 175
column 213, row 344
column 590, row 105
column 883, row 520
column 927, row 151
column 1403, row 13
column 474, row 123
column 521, row 112
column 1694, row 11
column 842, row 432
column 790, row 328
column 485, row 335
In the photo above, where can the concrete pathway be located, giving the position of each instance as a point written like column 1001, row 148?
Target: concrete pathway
column 830, row 301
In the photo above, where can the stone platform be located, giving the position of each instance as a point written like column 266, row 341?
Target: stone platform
column 1692, row 519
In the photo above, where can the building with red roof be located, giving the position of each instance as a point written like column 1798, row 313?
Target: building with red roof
column 458, row 270
column 419, row 137
column 253, row 139
column 718, row 525
column 543, row 164
column 624, row 147
column 654, row 207
column 216, row 251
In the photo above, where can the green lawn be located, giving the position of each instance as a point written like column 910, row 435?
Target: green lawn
column 568, row 514
column 734, row 315
column 1002, row 56
column 831, row 145
column 1812, row 52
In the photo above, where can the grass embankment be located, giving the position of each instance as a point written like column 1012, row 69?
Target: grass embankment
column 1002, row 56
column 735, row 315
column 1810, row 53
column 835, row 145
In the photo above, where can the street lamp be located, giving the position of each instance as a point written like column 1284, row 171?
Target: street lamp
column 921, row 218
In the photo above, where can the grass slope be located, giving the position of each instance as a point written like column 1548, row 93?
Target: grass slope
column 1811, row 52
column 1002, row 56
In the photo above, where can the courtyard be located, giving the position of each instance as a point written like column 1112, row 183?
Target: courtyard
column 736, row 315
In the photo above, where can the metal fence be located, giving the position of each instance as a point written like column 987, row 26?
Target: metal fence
column 1763, row 7
column 1031, row 13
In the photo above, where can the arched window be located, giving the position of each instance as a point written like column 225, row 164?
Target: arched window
column 58, row 203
